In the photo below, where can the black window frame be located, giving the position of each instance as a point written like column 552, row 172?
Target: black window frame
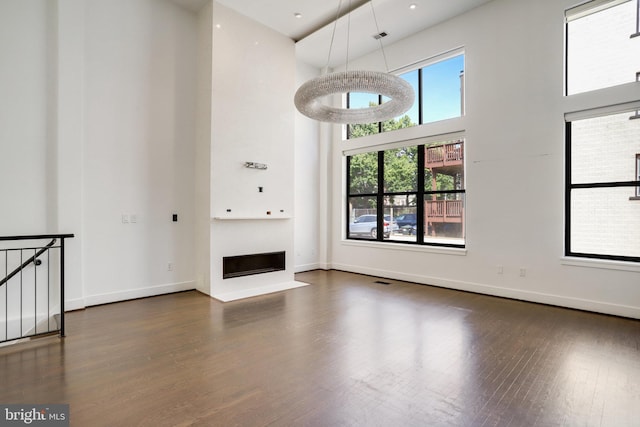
column 380, row 195
column 596, row 8
column 570, row 186
column 587, row 110
column 419, row 94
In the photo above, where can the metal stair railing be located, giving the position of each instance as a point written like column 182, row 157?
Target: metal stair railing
column 22, row 304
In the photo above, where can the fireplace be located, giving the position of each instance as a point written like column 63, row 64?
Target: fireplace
column 246, row 265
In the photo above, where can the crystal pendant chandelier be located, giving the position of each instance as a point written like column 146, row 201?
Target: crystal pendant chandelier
column 308, row 98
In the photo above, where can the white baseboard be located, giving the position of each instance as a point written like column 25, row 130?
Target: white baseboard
column 74, row 304
column 247, row 293
column 134, row 294
column 306, row 267
column 518, row 294
column 310, row 267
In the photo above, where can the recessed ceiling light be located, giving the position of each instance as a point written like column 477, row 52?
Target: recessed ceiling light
column 412, row 6
column 297, row 15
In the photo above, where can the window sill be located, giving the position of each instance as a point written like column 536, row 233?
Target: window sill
column 406, row 247
column 601, row 263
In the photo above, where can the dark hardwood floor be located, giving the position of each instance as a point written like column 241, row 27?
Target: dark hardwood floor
column 345, row 351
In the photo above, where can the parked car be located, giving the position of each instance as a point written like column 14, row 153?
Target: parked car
column 407, row 223
column 406, row 220
column 367, row 225
column 393, row 225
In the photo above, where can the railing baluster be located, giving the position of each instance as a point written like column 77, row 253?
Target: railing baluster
column 35, row 294
column 48, row 286
column 6, row 297
column 62, row 287
column 21, row 275
column 21, row 285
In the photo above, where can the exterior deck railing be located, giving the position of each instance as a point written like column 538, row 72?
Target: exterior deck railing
column 444, row 210
column 445, row 155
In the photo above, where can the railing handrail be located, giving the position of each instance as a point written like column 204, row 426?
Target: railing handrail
column 28, row 261
column 36, row 237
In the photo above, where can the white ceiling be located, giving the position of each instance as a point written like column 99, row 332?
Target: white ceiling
column 280, row 14
column 315, row 28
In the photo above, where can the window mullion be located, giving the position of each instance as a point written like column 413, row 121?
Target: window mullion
column 420, row 196
column 567, row 207
column 380, row 126
column 380, row 196
column 420, row 120
column 347, row 210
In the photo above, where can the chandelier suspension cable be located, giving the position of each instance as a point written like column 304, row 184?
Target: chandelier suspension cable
column 375, row 19
column 346, row 63
column 333, row 35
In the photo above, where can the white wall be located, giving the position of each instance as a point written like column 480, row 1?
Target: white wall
column 514, row 147
column 252, row 114
column 41, row 124
column 97, row 120
column 118, row 117
column 27, row 136
column 203, row 151
column 139, row 145
column 309, row 161
column 69, row 125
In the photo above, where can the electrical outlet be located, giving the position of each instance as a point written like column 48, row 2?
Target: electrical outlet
column 125, row 219
column 133, row 218
column 523, row 272
column 500, row 269
column 169, row 266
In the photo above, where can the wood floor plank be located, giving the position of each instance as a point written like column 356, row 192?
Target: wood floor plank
column 345, row 351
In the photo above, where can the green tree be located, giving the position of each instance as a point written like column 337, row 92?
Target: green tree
column 359, row 130
column 401, row 170
column 400, row 165
column 393, row 124
column 363, row 173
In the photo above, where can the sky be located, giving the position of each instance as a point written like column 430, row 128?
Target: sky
column 440, row 94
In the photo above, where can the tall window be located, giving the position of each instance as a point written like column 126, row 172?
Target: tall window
column 439, row 90
column 603, row 49
column 602, row 211
column 604, row 220
column 411, row 194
